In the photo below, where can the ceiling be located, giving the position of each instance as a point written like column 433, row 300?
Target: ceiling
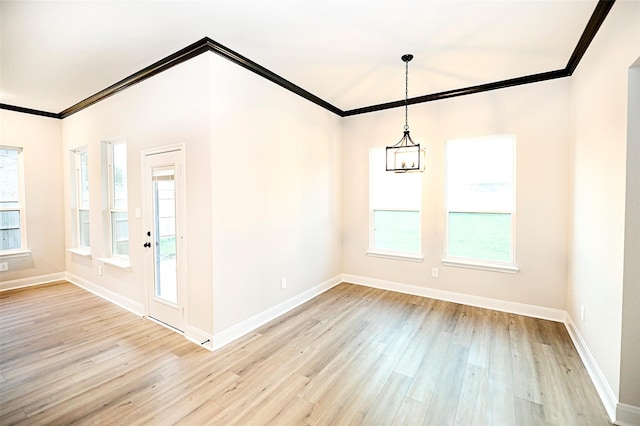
column 55, row 54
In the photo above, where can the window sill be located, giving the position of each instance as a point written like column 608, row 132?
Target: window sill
column 118, row 263
column 8, row 254
column 509, row 269
column 396, row 256
column 80, row 252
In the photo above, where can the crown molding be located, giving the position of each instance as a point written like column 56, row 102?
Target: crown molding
column 29, row 111
column 208, row 45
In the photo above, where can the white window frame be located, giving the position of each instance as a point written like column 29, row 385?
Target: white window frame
column 373, row 207
column 22, row 250
column 77, row 206
column 111, row 194
column 484, row 264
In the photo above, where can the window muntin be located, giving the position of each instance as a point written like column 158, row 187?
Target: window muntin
column 480, row 199
column 395, row 201
column 13, row 236
column 118, row 208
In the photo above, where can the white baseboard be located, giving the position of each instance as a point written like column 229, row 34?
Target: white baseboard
column 230, row 334
column 113, row 297
column 465, row 299
column 199, row 337
column 31, row 281
column 627, row 415
column 608, row 398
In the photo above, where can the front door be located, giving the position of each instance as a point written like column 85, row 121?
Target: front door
column 164, row 235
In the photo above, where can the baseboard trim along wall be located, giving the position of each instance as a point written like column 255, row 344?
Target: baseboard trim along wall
column 232, row 333
column 627, row 415
column 607, row 396
column 31, row 281
column 199, row 337
column 464, row 299
column 113, row 297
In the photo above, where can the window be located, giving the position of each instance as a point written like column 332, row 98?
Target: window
column 394, row 210
column 81, row 174
column 13, row 235
column 480, row 201
column 117, row 183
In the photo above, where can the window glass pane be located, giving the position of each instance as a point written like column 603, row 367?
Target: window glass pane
column 83, row 229
column 391, row 190
column 479, row 174
column 10, row 230
column 83, row 184
column 119, row 176
column 119, row 234
column 9, row 188
column 397, row 230
column 485, row 236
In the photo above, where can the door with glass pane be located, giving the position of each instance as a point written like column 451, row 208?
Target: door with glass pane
column 163, row 237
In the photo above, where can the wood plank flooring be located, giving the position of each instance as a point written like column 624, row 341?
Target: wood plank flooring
column 353, row 355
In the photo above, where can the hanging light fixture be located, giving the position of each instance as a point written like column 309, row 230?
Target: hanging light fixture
column 406, row 155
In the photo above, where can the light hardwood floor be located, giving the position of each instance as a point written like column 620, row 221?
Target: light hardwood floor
column 353, row 355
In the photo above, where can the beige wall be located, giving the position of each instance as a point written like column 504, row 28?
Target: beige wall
column 630, row 359
column 263, row 187
column 276, row 193
column 171, row 108
column 597, row 252
column 537, row 115
column 41, row 139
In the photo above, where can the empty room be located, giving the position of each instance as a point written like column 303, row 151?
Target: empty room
column 310, row 212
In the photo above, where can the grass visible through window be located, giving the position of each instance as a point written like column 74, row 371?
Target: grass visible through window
column 482, row 236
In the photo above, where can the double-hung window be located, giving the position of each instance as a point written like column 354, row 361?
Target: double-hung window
column 82, row 224
column 118, row 210
column 13, row 233
column 480, row 202
column 395, row 201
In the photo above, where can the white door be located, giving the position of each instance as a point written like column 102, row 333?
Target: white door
column 164, row 235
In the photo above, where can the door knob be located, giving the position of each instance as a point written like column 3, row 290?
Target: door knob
column 147, row 244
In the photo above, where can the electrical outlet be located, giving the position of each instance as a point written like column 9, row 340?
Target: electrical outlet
column 582, row 312
column 4, row 266
column 100, row 270
column 434, row 272
column 283, row 283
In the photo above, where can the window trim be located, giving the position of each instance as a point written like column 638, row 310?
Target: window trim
column 23, row 249
column 509, row 266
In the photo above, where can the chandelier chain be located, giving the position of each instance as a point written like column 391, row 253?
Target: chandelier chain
column 406, row 96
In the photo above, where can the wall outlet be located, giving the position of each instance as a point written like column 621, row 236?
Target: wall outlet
column 434, row 272
column 100, row 270
column 582, row 312
column 283, row 283
column 4, row 266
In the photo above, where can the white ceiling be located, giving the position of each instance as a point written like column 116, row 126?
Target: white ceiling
column 54, row 54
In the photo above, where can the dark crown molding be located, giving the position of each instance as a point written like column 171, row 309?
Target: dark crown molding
column 208, row 45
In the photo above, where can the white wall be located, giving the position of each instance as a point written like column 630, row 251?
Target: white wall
column 41, row 139
column 263, row 187
column 538, row 115
column 170, row 108
column 599, row 112
column 630, row 361
column 276, row 186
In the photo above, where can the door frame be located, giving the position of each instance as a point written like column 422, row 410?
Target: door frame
column 181, row 227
